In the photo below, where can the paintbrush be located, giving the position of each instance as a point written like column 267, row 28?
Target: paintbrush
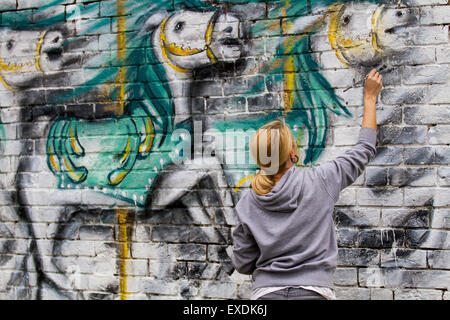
column 362, row 81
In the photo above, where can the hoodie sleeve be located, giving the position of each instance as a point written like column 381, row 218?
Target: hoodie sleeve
column 245, row 249
column 345, row 169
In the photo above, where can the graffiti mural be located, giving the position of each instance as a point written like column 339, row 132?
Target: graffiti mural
column 124, row 141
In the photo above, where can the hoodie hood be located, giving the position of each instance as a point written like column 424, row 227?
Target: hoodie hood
column 284, row 196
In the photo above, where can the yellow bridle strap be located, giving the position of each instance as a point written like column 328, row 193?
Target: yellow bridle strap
column 15, row 68
column 332, row 31
column 179, row 51
column 375, row 19
column 37, row 54
column 334, row 26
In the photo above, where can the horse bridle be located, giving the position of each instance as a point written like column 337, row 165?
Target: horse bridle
column 179, row 51
column 334, row 26
column 16, row 68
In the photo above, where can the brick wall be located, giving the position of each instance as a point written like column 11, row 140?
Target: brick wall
column 94, row 101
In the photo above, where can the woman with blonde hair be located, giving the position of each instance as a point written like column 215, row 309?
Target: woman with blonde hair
column 285, row 236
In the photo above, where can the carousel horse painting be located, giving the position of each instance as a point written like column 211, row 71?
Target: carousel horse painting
column 113, row 141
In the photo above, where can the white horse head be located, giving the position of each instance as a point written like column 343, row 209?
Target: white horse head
column 188, row 39
column 25, row 54
column 363, row 33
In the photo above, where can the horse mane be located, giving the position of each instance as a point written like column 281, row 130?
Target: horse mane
column 307, row 94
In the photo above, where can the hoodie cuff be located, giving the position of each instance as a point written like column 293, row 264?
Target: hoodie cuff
column 368, row 135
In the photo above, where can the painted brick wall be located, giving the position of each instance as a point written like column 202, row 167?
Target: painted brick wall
column 96, row 97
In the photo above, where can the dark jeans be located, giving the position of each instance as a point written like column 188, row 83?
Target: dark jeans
column 292, row 294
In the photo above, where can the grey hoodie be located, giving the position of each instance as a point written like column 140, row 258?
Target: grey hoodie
column 287, row 237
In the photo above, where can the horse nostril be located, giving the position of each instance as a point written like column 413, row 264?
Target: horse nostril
column 398, row 13
column 228, row 29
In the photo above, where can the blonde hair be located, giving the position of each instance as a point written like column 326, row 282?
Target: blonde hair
column 277, row 136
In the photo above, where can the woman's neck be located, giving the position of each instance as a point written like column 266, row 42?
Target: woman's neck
column 278, row 176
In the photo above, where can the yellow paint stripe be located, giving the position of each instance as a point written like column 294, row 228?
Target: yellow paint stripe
column 332, row 31
column 127, row 151
column 209, row 31
column 122, row 215
column 13, row 67
column 121, row 51
column 375, row 19
column 119, row 177
column 5, row 84
column 73, row 143
column 162, row 41
column 70, row 170
column 242, row 181
column 53, row 159
column 37, row 55
column 146, row 146
column 176, row 50
column 288, row 84
column 211, row 56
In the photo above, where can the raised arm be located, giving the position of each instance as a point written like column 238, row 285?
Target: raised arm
column 372, row 88
column 345, row 169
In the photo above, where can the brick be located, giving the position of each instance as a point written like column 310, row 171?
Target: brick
column 357, row 257
column 427, row 239
column 382, row 238
column 425, row 74
column 429, row 35
column 219, row 290
column 417, row 294
column 444, row 176
column 170, row 233
column 435, row 15
column 400, row 278
column 427, row 115
column 347, row 237
column 443, row 54
column 412, row 177
column 438, row 259
column 252, row 11
column 404, row 95
column 344, row 293
column 439, row 135
column 439, row 94
column 266, row 102
column 244, row 291
column 96, row 233
column 403, row 258
column 427, row 196
column 191, row 251
column 380, row 196
column 440, row 218
column 8, row 5
column 357, row 217
column 142, row 250
column 347, row 197
column 344, row 136
column 346, row 276
column 420, row 155
column 376, row 176
column 381, row 294
column 410, row 218
column 387, row 156
column 225, row 105
column 402, row 135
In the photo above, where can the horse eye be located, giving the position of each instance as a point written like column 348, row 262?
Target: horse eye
column 10, row 44
column 346, row 19
column 179, row 26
